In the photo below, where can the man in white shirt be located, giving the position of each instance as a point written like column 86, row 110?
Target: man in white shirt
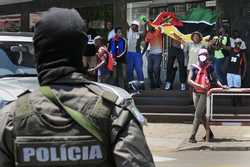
column 111, row 31
column 134, row 56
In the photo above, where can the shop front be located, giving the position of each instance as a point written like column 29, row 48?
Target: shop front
column 21, row 15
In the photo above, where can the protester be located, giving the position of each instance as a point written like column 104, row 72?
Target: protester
column 134, row 56
column 105, row 62
column 220, row 45
column 236, row 69
column 175, row 52
column 201, row 78
column 243, row 48
column 236, row 66
column 111, row 31
column 70, row 121
column 191, row 49
column 89, row 56
column 235, row 35
column 154, row 38
column 118, row 48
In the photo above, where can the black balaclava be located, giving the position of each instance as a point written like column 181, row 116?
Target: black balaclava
column 59, row 41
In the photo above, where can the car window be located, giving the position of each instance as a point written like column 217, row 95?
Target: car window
column 16, row 57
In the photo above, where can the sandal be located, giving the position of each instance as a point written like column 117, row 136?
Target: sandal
column 192, row 140
column 211, row 136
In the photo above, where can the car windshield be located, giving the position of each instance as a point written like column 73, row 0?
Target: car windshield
column 17, row 59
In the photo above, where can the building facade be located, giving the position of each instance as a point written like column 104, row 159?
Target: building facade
column 21, row 15
column 26, row 13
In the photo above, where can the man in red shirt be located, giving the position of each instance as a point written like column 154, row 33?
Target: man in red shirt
column 154, row 38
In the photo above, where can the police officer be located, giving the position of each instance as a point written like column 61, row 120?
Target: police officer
column 70, row 121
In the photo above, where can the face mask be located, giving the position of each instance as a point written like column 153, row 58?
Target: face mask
column 202, row 60
column 237, row 45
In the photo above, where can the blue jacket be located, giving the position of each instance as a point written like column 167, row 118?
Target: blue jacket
column 117, row 47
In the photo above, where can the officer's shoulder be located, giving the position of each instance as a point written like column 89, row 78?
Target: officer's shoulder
column 124, row 99
column 112, row 93
column 11, row 106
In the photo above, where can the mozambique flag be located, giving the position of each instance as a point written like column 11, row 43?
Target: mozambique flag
column 198, row 19
column 181, row 28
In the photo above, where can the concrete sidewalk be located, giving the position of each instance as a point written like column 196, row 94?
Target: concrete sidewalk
column 164, row 138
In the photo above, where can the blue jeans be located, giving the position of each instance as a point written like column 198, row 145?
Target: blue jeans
column 233, row 80
column 218, row 69
column 134, row 61
column 154, row 69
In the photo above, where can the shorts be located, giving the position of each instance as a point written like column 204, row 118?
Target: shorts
column 233, row 80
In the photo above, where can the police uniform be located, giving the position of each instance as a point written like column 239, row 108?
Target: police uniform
column 36, row 132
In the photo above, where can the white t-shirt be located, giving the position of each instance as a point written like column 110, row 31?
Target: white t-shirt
column 111, row 34
column 192, row 50
column 132, row 40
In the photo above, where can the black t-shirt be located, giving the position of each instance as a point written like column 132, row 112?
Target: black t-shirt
column 90, row 48
column 235, row 61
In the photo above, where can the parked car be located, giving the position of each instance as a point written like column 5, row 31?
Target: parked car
column 17, row 66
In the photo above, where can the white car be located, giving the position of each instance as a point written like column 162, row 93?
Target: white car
column 17, row 66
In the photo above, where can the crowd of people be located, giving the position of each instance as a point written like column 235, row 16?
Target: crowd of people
column 115, row 58
column 127, row 56
column 203, row 63
column 226, row 55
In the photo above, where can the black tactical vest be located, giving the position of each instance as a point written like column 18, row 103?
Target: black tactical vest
column 39, row 143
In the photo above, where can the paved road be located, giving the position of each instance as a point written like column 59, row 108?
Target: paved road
column 204, row 159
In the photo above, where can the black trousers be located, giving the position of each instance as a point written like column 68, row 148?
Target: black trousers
column 176, row 53
column 154, row 69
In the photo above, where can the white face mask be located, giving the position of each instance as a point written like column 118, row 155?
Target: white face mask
column 202, row 58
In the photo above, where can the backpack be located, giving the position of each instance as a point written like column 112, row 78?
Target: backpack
column 110, row 62
column 109, row 59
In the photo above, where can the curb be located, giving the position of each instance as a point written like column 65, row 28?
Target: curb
column 212, row 148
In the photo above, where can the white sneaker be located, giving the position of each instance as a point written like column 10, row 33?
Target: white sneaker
column 183, row 87
column 168, row 86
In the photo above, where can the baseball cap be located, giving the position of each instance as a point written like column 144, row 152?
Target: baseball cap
column 203, row 54
column 238, row 40
column 135, row 22
column 202, row 51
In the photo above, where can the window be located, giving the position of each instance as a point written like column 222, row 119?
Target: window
column 10, row 23
column 16, row 57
